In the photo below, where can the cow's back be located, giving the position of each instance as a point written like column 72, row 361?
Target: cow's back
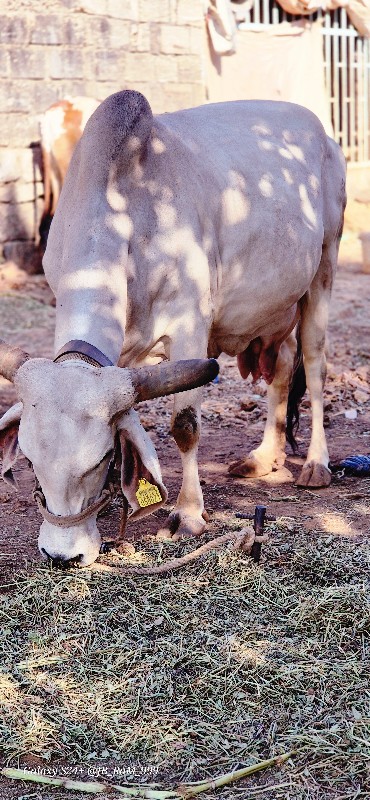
column 246, row 163
column 258, row 172
column 249, row 136
column 238, row 185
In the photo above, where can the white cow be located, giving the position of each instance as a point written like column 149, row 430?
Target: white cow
column 209, row 230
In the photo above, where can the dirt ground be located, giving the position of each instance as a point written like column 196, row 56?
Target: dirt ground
column 233, row 419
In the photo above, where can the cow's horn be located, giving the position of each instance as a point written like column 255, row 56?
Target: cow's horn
column 11, row 358
column 170, row 377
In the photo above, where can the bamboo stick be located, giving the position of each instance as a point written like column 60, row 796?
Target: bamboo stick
column 183, row 792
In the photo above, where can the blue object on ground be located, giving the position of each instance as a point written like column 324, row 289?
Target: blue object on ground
column 356, row 465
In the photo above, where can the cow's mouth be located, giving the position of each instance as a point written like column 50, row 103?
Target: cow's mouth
column 62, row 563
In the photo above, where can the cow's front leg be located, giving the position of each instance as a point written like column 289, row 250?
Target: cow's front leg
column 188, row 518
column 270, row 454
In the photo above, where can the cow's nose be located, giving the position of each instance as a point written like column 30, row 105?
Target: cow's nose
column 60, row 562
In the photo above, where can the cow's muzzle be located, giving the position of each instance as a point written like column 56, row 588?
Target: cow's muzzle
column 71, row 547
column 62, row 563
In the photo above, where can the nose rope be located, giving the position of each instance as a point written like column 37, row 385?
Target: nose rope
column 71, row 520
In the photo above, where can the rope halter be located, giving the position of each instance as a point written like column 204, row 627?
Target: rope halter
column 71, row 520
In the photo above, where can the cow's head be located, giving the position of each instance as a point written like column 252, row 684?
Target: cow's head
column 69, row 419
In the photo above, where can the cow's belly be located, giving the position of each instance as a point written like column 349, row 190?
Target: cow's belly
column 242, row 315
column 261, row 286
column 256, row 306
column 257, row 354
column 233, row 341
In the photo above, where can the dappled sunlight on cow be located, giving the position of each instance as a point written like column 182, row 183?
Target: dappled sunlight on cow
column 179, row 237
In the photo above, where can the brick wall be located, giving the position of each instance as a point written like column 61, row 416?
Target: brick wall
column 55, row 48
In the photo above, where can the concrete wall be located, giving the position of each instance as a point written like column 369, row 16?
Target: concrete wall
column 55, row 48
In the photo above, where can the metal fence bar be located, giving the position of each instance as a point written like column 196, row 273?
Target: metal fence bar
column 275, row 14
column 327, row 61
column 335, row 86
column 352, row 105
column 344, row 85
column 366, row 99
column 266, row 11
column 360, row 98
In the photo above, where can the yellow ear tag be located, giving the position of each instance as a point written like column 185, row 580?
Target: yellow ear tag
column 147, row 494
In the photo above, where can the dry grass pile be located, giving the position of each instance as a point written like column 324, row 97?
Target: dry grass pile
column 182, row 677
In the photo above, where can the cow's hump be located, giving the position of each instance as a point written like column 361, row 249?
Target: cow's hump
column 120, row 126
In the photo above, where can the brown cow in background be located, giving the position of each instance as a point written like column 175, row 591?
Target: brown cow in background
column 61, row 127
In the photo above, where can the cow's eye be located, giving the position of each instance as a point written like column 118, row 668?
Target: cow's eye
column 105, row 459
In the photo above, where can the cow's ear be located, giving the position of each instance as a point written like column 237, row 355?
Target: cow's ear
column 141, row 478
column 9, row 425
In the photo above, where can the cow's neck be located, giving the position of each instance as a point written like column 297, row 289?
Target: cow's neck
column 91, row 306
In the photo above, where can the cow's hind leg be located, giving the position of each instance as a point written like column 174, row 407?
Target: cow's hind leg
column 315, row 312
column 271, row 452
column 188, row 518
column 314, row 322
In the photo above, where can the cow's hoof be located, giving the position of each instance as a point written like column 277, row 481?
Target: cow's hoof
column 183, row 526
column 250, row 467
column 314, row 475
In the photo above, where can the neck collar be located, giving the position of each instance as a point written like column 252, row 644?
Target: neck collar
column 84, row 351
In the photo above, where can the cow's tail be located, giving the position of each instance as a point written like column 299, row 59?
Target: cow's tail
column 296, row 391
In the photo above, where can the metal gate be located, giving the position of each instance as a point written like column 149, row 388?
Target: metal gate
column 347, row 67
column 347, row 73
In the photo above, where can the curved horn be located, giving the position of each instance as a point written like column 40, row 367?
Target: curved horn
column 170, row 377
column 11, row 358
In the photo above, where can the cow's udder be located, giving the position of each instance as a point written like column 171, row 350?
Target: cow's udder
column 259, row 360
